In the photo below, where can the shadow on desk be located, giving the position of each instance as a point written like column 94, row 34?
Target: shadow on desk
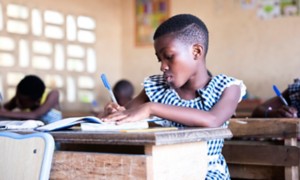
column 263, row 149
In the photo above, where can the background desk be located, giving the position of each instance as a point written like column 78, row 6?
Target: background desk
column 263, row 148
column 177, row 154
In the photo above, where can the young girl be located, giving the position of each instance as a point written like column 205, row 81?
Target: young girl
column 185, row 95
column 34, row 102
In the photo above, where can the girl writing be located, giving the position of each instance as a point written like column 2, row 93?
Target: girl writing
column 185, row 95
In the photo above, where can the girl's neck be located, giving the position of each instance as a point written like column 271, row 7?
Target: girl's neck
column 189, row 90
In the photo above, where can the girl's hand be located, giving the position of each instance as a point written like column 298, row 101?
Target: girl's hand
column 110, row 108
column 286, row 111
column 131, row 115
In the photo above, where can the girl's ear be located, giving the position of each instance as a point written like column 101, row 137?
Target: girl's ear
column 198, row 51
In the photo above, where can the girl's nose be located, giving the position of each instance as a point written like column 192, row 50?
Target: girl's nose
column 164, row 67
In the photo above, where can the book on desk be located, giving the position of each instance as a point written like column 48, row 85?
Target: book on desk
column 20, row 124
column 91, row 123
column 85, row 123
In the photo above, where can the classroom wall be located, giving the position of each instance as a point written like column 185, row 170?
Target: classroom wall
column 108, row 34
column 260, row 52
column 106, row 13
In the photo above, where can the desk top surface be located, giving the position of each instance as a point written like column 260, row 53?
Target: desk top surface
column 265, row 127
column 186, row 135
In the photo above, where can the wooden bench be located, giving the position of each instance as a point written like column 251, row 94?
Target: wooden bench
column 263, row 149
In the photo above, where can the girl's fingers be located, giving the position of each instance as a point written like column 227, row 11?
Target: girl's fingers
column 114, row 117
column 293, row 112
column 124, row 120
column 111, row 108
column 286, row 111
column 120, row 108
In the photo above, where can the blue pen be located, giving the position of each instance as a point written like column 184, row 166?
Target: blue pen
column 280, row 95
column 107, row 86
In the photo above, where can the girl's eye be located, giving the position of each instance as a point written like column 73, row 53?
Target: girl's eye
column 168, row 57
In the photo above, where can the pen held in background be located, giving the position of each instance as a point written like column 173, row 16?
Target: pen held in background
column 276, row 90
column 107, row 86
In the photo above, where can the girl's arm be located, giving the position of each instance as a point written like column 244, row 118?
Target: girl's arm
column 10, row 105
column 138, row 100
column 52, row 101
column 221, row 112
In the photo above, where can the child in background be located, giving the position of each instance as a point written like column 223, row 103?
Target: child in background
column 34, row 102
column 124, row 91
column 274, row 108
column 184, row 95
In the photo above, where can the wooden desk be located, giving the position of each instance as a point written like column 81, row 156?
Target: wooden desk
column 177, row 154
column 263, row 148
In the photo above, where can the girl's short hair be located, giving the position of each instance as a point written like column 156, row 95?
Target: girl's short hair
column 31, row 86
column 185, row 27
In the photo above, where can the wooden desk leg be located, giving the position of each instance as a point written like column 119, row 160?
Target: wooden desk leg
column 178, row 161
column 291, row 173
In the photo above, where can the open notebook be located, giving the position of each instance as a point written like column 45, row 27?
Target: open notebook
column 20, row 124
column 91, row 123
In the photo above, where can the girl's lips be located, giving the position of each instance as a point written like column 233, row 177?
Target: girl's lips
column 167, row 77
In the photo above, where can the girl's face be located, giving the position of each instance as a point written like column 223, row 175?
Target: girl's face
column 24, row 102
column 177, row 60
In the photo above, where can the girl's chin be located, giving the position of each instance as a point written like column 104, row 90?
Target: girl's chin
column 172, row 84
column 170, row 81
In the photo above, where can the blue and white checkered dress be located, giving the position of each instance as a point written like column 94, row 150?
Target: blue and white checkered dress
column 159, row 91
column 294, row 94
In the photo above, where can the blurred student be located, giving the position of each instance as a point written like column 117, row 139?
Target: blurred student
column 123, row 91
column 275, row 108
column 32, row 101
column 184, row 94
